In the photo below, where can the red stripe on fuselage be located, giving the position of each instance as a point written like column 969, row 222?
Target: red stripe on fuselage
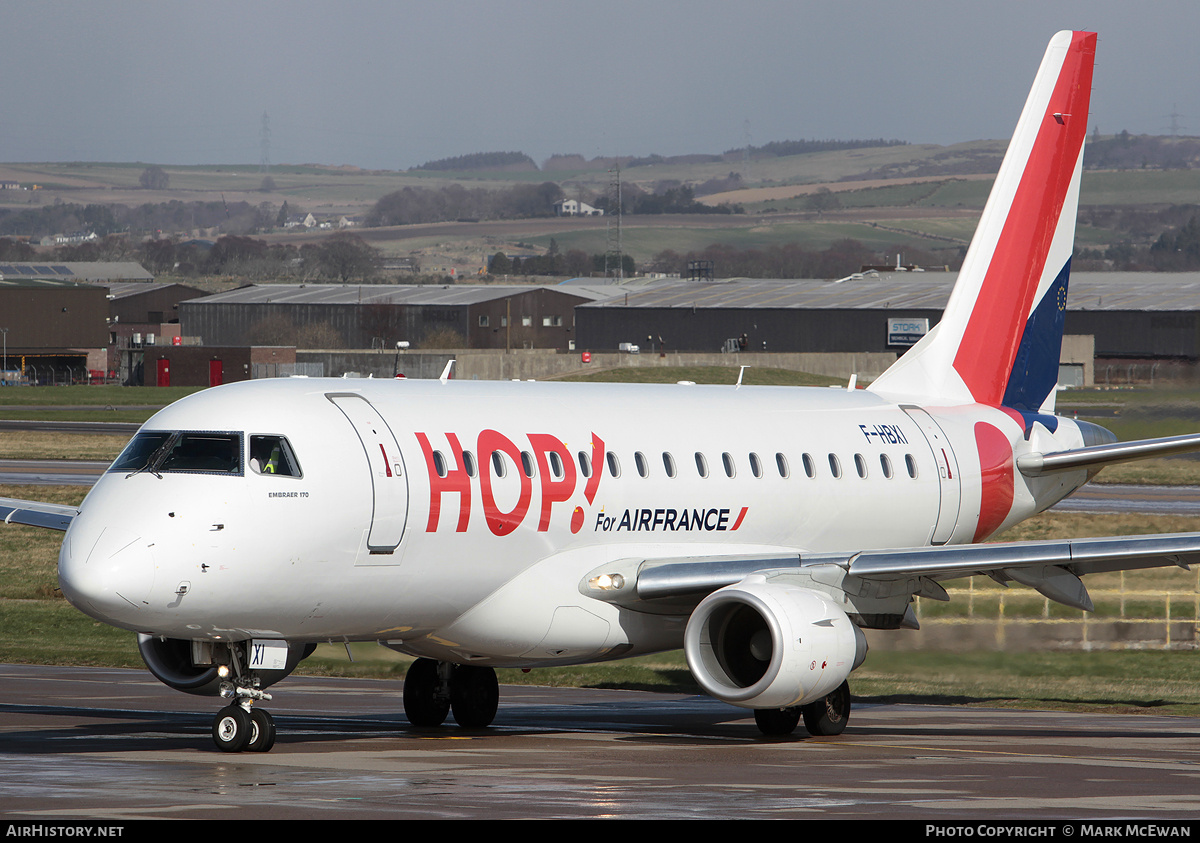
column 993, row 333
column 996, row 479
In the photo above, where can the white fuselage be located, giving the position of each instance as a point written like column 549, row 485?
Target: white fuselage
column 371, row 542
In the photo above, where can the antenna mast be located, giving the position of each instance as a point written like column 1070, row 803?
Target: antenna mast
column 614, row 263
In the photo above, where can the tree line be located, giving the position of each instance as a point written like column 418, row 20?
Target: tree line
column 339, row 257
column 148, row 218
column 574, row 263
column 411, row 205
column 1156, row 240
column 790, row 260
column 482, row 161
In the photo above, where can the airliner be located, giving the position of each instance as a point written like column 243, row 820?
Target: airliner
column 477, row 525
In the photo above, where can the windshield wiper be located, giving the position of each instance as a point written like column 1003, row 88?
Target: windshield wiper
column 156, row 458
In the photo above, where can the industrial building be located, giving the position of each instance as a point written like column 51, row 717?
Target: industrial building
column 51, row 331
column 378, row 315
column 1136, row 318
column 1134, row 327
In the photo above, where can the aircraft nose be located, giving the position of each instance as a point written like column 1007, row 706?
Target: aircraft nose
column 108, row 573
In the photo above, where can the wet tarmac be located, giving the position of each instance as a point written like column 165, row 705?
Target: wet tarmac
column 115, row 745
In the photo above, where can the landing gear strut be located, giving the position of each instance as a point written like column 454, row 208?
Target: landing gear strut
column 239, row 726
column 824, row 718
column 433, row 689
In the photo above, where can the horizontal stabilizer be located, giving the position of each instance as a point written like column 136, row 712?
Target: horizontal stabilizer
column 1095, row 457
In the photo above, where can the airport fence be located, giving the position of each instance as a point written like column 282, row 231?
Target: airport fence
column 1133, row 610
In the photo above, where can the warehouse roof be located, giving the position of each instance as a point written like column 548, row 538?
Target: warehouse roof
column 394, row 294
column 76, row 270
column 1169, row 291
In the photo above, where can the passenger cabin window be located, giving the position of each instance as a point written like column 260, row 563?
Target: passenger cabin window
column 179, row 451
column 614, row 465
column 439, row 463
column 781, row 463
column 498, row 467
column 669, row 464
column 835, row 465
column 701, row 465
column 860, row 465
column 727, row 460
column 556, row 465
column 911, row 465
column 809, row 468
column 469, row 463
column 886, row 465
column 639, row 460
column 755, row 465
column 527, row 463
column 585, row 465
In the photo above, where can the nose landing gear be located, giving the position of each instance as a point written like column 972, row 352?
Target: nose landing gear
column 239, row 726
column 235, row 729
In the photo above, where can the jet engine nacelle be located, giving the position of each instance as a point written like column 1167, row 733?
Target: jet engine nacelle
column 172, row 662
column 765, row 645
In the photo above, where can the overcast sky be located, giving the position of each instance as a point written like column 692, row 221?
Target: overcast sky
column 391, row 84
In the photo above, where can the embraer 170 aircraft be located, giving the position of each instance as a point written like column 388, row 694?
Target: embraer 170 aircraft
column 476, row 525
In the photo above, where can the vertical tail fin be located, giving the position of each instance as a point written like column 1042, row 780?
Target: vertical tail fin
column 1001, row 334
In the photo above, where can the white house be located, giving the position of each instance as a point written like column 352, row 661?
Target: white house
column 575, row 208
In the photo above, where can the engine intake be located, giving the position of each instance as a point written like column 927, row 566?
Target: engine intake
column 766, row 645
column 173, row 663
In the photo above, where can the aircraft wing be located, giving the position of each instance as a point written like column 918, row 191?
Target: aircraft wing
column 51, row 516
column 1052, row 567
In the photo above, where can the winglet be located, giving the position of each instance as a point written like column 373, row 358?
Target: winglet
column 1000, row 336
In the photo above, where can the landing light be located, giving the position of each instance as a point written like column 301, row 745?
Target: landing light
column 607, row 582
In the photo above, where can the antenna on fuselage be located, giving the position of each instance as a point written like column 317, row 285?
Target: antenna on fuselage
column 741, row 371
column 446, row 371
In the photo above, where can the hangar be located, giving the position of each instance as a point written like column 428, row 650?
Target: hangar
column 380, row 315
column 1137, row 319
column 53, row 330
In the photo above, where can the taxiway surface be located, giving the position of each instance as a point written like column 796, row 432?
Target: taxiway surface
column 115, row 745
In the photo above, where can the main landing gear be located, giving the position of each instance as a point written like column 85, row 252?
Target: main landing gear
column 823, row 718
column 433, row 689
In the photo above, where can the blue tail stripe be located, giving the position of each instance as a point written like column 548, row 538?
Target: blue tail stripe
column 1035, row 369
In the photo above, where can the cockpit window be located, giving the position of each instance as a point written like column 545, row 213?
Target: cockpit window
column 182, row 451
column 139, row 451
column 273, row 455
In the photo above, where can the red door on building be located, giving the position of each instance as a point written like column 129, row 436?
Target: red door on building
column 216, row 373
column 164, row 372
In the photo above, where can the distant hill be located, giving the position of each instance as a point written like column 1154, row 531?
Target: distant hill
column 1124, row 151
column 505, row 162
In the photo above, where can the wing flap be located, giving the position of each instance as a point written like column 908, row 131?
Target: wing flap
column 1079, row 556
column 50, row 516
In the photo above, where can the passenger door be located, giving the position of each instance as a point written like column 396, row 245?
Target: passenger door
column 389, row 480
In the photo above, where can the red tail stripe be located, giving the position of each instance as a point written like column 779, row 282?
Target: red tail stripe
column 993, row 333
